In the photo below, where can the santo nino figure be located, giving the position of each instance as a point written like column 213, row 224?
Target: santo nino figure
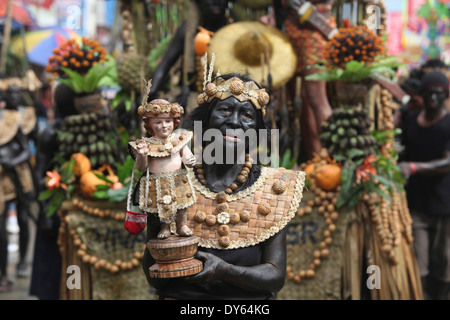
column 242, row 234
column 165, row 188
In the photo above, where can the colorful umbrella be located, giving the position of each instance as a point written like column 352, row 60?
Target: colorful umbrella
column 20, row 14
column 40, row 44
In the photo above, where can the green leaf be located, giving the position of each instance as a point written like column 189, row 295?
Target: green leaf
column 102, row 194
column 55, row 202
column 101, row 187
column 124, row 170
column 118, row 195
column 44, row 195
column 101, row 176
column 373, row 188
column 75, row 81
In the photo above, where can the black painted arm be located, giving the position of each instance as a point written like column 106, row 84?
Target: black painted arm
column 267, row 277
column 435, row 167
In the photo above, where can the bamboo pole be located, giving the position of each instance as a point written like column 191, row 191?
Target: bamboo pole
column 6, row 37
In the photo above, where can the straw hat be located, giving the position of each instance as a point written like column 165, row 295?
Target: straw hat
column 241, row 47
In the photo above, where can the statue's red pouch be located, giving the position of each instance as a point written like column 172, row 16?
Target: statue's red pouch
column 135, row 222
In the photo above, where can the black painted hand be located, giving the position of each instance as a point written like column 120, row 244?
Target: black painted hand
column 211, row 266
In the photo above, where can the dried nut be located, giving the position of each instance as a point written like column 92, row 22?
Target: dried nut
column 224, row 241
column 222, row 207
column 175, row 109
column 324, row 253
column 201, row 99
column 237, row 87
column 210, row 89
column 233, row 186
column 334, row 216
column 310, row 273
column 263, row 98
column 211, row 220
column 264, row 208
column 279, row 187
column 241, row 179
column 221, row 197
column 234, row 218
column 316, row 254
column 114, row 269
column 155, row 109
column 223, row 230
column 245, row 216
column 141, row 110
column 200, row 217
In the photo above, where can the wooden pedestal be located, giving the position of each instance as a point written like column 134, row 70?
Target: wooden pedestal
column 174, row 257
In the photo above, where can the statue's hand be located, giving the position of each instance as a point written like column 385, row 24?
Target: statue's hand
column 190, row 161
column 142, row 147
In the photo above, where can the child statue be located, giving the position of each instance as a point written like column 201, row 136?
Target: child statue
column 164, row 188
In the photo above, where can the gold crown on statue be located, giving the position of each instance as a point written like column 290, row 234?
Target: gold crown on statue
column 158, row 106
column 222, row 89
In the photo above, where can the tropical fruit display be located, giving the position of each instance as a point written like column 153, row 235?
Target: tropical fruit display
column 346, row 133
column 91, row 134
column 132, row 67
column 353, row 43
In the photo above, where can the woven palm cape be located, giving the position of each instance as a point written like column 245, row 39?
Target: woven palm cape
column 28, row 119
column 10, row 122
column 249, row 216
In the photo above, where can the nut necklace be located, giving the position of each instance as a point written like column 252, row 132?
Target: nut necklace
column 240, row 179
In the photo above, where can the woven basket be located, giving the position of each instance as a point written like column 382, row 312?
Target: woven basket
column 351, row 94
column 89, row 103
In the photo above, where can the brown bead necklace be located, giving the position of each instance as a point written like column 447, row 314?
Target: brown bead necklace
column 240, row 179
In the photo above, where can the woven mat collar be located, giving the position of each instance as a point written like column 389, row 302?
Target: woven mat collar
column 9, row 124
column 260, row 227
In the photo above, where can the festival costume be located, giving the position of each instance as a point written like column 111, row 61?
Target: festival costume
column 280, row 188
column 10, row 124
column 308, row 42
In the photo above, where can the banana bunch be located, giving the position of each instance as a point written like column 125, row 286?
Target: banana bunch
column 347, row 133
column 91, row 134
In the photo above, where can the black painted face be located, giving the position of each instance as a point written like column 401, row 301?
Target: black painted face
column 216, row 6
column 434, row 98
column 13, row 97
column 233, row 118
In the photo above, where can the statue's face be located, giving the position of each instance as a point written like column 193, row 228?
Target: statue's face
column 162, row 127
column 233, row 118
column 434, row 98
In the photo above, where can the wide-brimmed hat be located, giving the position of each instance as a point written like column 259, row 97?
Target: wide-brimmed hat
column 242, row 47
